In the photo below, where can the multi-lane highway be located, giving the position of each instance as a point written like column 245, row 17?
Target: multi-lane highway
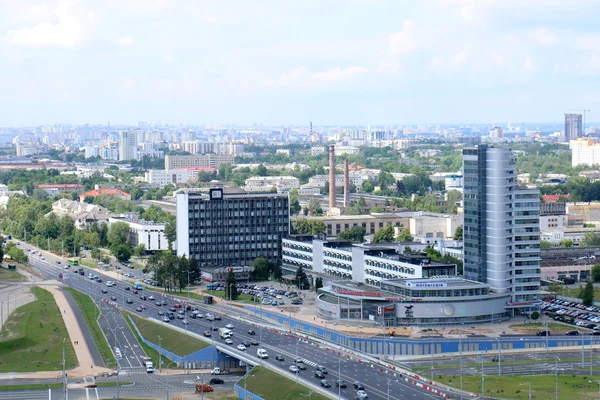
column 379, row 382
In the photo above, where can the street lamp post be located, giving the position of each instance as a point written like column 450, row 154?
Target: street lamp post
column 499, row 357
column 482, row 378
column 460, row 357
column 556, row 374
column 340, row 378
column 527, row 383
column 160, row 354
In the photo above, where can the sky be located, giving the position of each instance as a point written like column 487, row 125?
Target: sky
column 290, row 62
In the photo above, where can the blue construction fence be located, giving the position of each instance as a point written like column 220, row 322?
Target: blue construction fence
column 405, row 346
column 208, row 357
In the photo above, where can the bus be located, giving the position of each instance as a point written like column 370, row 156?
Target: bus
column 73, row 262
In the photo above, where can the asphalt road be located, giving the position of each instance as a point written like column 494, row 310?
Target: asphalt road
column 143, row 385
column 378, row 383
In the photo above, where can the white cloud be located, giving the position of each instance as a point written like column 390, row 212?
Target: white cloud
column 301, row 77
column 592, row 65
column 543, row 36
column 67, row 32
column 460, row 58
column 125, row 41
column 589, row 42
column 402, row 42
column 528, row 65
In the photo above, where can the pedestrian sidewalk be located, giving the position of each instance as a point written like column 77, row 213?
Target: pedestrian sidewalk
column 82, row 352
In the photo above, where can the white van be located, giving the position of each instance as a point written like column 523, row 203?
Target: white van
column 262, row 353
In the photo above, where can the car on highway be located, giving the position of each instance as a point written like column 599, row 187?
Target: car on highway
column 142, row 297
column 135, row 291
column 181, row 312
column 58, row 262
column 294, row 369
column 158, row 304
column 129, row 301
column 301, row 366
column 164, row 302
column 229, row 326
column 217, row 381
column 217, row 318
column 127, row 288
column 173, row 309
column 325, row 383
column 251, row 332
column 207, row 333
column 358, row 386
column 254, row 342
column 228, row 341
column 322, row 369
column 361, row 395
column 180, row 316
column 247, row 343
column 185, row 321
column 151, row 298
column 340, row 383
column 319, row 374
column 572, row 333
column 279, row 357
column 543, row 333
column 139, row 309
column 241, row 347
column 161, row 313
column 113, row 298
column 104, row 290
column 166, row 319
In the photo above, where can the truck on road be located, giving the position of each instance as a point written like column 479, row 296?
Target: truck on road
column 219, row 371
column 225, row 333
column 148, row 364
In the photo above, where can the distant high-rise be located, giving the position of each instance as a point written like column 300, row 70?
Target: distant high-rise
column 501, row 229
column 573, row 126
column 128, row 146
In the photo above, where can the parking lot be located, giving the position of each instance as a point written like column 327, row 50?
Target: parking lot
column 587, row 317
column 265, row 295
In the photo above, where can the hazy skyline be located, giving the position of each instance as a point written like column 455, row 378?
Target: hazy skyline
column 332, row 62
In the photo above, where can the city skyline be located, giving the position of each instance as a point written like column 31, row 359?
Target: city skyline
column 353, row 62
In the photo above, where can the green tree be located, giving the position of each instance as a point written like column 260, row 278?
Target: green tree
column 555, row 288
column 261, row 268
column 118, row 233
column 140, row 250
column 356, row 234
column 96, row 253
column 591, row 239
column 384, row 235
column 231, row 292
column 302, row 279
column 318, row 283
column 405, row 236
column 277, row 271
column 294, row 202
column 368, row 186
column 596, row 273
column 171, row 233
column 261, row 170
column 566, row 243
column 195, row 272
column 535, row 315
column 458, row 233
column 588, row 294
column 544, row 244
column 314, row 206
column 122, row 252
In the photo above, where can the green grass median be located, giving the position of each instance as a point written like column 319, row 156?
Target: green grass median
column 270, row 385
column 91, row 313
column 173, row 341
column 32, row 338
column 517, row 387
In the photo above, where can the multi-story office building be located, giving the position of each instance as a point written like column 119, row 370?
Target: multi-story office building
column 573, row 126
column 198, row 161
column 128, row 146
column 223, row 229
column 501, row 225
column 149, row 233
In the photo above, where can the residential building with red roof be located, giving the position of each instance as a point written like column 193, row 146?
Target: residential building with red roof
column 99, row 192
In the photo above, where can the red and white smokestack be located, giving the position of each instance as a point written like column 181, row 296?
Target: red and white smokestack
column 346, row 184
column 331, row 177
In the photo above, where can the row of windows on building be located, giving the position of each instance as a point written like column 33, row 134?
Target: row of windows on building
column 236, row 205
column 301, row 256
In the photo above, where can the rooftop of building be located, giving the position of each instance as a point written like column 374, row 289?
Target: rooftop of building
column 139, row 221
column 228, row 193
column 99, row 192
column 60, row 186
column 454, row 282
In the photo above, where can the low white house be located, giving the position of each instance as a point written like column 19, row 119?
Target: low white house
column 149, row 233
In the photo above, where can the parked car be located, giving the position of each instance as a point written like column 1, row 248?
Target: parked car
column 543, row 333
